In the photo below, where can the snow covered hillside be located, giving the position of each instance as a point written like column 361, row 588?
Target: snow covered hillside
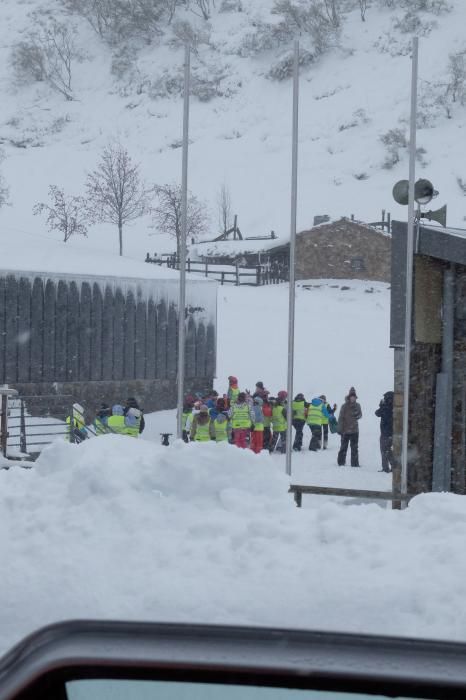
column 353, row 118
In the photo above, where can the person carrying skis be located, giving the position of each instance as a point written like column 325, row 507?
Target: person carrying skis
column 279, row 423
column 298, row 407
column 385, row 413
column 200, row 427
column 257, row 435
column 77, row 431
column 316, row 412
column 233, row 390
column 348, row 428
column 241, row 420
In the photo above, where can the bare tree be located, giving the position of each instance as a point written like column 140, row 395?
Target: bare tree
column 332, row 10
column 201, row 8
column 457, row 73
column 115, row 192
column 66, row 214
column 4, row 191
column 224, row 208
column 167, row 213
column 47, row 54
column 363, row 8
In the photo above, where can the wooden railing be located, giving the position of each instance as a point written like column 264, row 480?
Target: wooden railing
column 269, row 273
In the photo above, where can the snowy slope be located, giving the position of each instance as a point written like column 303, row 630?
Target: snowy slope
column 349, row 98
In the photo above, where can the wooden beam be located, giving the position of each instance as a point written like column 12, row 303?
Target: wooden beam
column 298, row 490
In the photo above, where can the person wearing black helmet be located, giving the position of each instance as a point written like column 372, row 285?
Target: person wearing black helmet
column 385, row 413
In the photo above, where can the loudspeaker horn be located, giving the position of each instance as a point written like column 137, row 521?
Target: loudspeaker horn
column 439, row 215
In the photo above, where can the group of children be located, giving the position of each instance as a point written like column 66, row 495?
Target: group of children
column 257, row 420
column 126, row 419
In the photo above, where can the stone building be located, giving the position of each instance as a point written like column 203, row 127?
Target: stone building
column 437, row 415
column 95, row 338
column 342, row 249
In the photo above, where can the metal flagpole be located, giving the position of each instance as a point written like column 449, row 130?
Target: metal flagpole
column 409, row 270
column 291, row 303
column 184, row 228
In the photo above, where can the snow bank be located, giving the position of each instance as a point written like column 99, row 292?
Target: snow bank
column 128, row 529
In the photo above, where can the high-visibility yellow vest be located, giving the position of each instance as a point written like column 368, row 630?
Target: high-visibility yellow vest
column 202, row 432
column 117, row 425
column 324, row 418
column 314, row 414
column 241, row 417
column 133, row 430
column 233, row 394
column 78, row 424
column 258, row 427
column 184, row 417
column 278, row 419
column 298, row 410
column 221, row 430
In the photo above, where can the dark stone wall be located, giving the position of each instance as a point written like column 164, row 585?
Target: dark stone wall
column 343, row 250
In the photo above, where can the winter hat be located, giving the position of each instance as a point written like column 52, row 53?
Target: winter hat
column 131, row 402
column 352, row 392
column 260, row 385
column 117, row 410
column 204, row 409
column 323, row 397
column 299, row 397
column 282, row 395
column 241, row 397
column 233, row 380
column 258, row 400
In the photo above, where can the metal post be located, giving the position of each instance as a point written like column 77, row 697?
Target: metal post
column 291, row 299
column 22, row 428
column 4, row 424
column 184, row 228
column 409, row 270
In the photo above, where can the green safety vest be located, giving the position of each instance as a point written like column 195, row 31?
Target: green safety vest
column 278, row 419
column 314, row 414
column 221, row 430
column 324, row 418
column 133, row 430
column 184, row 417
column 202, row 432
column 117, row 425
column 233, row 394
column 258, row 427
column 298, row 410
column 79, row 424
column 241, row 417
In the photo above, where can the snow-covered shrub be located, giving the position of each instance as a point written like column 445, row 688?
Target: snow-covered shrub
column 167, row 84
column 47, row 54
column 283, row 68
column 317, row 20
column 231, row 6
column 120, row 20
column 461, row 185
column 394, row 140
column 207, row 81
column 201, row 8
column 4, row 191
column 123, row 62
column 435, row 7
column 457, row 77
column 66, row 214
column 264, row 37
column 412, row 23
column 185, row 32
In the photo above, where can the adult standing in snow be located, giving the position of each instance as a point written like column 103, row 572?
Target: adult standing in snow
column 116, row 422
column 187, row 411
column 200, row 427
column 316, row 413
column 241, row 420
column 220, row 428
column 348, row 428
column 385, row 413
column 260, row 391
column 299, row 410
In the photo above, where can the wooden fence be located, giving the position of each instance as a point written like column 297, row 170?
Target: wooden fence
column 269, row 273
column 79, row 331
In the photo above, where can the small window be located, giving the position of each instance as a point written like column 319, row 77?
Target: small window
column 357, row 264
